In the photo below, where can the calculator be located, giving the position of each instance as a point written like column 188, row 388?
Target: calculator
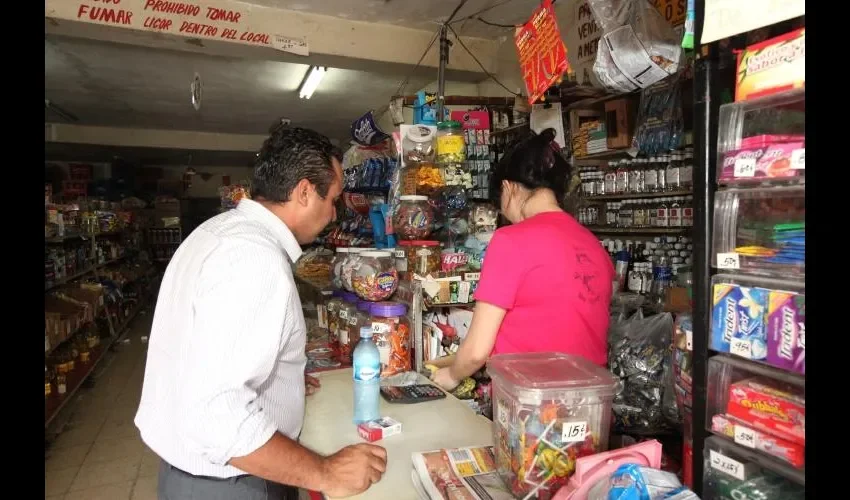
column 409, row 394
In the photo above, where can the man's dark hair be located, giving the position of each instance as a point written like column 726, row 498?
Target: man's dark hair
column 289, row 155
column 534, row 161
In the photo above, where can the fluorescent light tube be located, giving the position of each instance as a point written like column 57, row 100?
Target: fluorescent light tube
column 309, row 85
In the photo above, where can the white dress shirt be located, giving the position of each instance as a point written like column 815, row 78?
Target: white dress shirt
column 225, row 365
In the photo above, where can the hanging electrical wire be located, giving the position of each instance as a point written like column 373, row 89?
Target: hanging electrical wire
column 490, row 75
column 482, row 11
column 418, row 63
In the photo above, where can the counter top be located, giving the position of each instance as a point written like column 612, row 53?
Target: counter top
column 445, row 423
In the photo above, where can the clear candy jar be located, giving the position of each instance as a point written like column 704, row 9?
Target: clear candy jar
column 549, row 410
column 333, row 306
column 349, row 265
column 347, row 310
column 451, row 146
column 418, row 144
column 392, row 335
column 423, row 257
column 375, row 278
column 413, row 218
column 336, row 266
column 356, row 320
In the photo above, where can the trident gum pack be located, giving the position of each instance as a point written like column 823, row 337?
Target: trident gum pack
column 738, row 320
column 786, row 331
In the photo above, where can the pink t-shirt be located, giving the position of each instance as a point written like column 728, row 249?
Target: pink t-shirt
column 553, row 278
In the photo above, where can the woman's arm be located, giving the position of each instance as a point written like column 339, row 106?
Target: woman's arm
column 475, row 348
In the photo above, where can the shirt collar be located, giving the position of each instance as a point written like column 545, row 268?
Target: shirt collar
column 284, row 236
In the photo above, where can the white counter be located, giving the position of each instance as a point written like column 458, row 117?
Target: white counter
column 445, row 423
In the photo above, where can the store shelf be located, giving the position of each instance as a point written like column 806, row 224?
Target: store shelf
column 80, row 274
column 512, row 128
column 773, row 464
column 63, row 239
column 762, row 369
column 639, row 230
column 605, row 155
column 630, row 196
column 54, row 403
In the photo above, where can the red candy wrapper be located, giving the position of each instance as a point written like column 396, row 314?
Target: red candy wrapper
column 794, row 454
column 771, row 410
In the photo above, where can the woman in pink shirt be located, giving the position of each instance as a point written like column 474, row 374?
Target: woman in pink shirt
column 546, row 280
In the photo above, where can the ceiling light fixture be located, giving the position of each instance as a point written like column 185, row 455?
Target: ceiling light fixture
column 311, row 81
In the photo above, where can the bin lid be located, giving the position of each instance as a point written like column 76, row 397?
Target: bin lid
column 550, row 370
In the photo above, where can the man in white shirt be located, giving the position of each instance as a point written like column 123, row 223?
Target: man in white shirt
column 224, row 389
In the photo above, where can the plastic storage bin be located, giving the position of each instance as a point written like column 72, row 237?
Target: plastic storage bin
column 760, row 231
column 763, row 140
column 732, row 473
column 549, row 409
column 760, row 319
column 759, row 408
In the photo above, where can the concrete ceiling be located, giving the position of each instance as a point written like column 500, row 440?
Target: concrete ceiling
column 419, row 14
column 123, row 85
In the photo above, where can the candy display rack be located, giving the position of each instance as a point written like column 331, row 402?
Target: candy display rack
column 749, row 276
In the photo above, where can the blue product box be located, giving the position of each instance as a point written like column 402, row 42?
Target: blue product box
column 739, row 320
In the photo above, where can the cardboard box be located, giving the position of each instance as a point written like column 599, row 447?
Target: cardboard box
column 620, row 117
column 381, row 428
column 772, row 66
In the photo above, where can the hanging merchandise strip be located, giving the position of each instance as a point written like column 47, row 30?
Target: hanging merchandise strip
column 223, row 20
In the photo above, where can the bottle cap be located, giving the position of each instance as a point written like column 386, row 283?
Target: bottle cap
column 366, row 332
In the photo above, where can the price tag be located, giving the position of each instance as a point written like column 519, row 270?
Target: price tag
column 745, row 436
column 798, row 159
column 574, row 432
column 745, row 167
column 730, row 260
column 725, row 464
column 689, row 340
column 741, row 347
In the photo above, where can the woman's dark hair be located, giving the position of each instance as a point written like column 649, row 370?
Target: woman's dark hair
column 289, row 155
column 534, row 161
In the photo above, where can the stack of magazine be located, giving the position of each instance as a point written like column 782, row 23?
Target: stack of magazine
column 458, row 474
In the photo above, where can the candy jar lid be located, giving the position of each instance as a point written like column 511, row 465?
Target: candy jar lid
column 365, row 306
column 376, row 253
column 388, row 309
column 419, row 243
column 349, row 297
column 413, row 197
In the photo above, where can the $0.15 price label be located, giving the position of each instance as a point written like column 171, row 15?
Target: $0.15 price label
column 573, row 432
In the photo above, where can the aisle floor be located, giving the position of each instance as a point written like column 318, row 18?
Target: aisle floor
column 98, row 455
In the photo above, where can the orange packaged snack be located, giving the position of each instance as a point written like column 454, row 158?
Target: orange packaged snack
column 392, row 335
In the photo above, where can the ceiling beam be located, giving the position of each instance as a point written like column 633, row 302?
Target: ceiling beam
column 330, row 41
column 150, row 138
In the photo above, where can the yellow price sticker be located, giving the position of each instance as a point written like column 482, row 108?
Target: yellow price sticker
column 672, row 10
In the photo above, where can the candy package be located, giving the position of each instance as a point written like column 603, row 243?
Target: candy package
column 660, row 122
column 638, row 354
column 637, row 482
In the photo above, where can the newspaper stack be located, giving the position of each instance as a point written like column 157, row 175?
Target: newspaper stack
column 458, row 474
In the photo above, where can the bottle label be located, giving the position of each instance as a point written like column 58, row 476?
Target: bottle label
column 675, row 217
column 635, row 282
column 365, row 371
column 687, row 216
column 686, row 175
column 662, row 217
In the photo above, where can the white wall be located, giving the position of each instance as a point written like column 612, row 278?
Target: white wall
column 209, row 188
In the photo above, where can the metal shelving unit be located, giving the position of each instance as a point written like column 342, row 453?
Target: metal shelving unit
column 714, row 82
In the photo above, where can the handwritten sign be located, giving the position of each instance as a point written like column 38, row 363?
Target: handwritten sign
column 582, row 38
column 222, row 20
column 672, row 10
column 542, row 54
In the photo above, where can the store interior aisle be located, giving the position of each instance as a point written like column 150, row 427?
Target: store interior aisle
column 99, row 455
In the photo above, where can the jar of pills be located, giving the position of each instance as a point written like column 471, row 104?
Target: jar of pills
column 375, row 278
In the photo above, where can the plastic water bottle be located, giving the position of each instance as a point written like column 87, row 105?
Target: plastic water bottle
column 367, row 378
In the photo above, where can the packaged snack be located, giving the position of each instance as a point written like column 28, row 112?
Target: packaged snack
column 793, row 453
column 766, row 408
column 765, row 157
column 772, row 66
column 786, row 330
column 375, row 430
column 738, row 321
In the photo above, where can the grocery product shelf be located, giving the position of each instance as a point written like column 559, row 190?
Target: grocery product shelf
column 779, row 467
column 638, row 230
column 74, row 380
column 629, row 196
column 605, row 155
column 762, row 369
column 82, row 273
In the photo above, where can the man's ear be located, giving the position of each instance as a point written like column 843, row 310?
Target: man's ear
column 301, row 193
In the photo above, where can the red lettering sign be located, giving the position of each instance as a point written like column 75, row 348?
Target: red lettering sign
column 542, row 53
column 105, row 15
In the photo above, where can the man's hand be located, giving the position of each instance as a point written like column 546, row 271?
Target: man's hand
column 353, row 469
column 311, row 384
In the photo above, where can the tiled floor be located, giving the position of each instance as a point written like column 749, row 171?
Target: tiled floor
column 98, row 455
